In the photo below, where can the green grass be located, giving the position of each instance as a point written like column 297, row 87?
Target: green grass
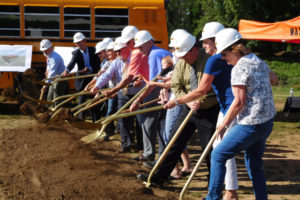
column 287, row 70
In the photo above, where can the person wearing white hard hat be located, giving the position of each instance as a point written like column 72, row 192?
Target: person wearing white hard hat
column 88, row 63
column 171, row 114
column 116, row 70
column 152, row 125
column 101, row 53
column 252, row 106
column 55, row 67
column 217, row 75
column 186, row 75
column 173, row 39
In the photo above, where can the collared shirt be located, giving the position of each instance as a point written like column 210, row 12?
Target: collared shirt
column 253, row 73
column 55, row 65
column 138, row 64
column 147, row 66
column 181, row 78
column 115, row 70
column 86, row 59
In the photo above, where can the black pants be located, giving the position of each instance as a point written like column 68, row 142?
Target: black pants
column 204, row 121
column 127, row 129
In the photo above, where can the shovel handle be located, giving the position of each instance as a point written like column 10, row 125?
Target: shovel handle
column 73, row 77
column 60, row 76
column 169, row 146
column 90, row 106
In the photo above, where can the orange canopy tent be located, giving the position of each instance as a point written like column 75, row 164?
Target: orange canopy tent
column 284, row 31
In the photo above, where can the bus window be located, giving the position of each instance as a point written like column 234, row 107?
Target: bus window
column 110, row 22
column 77, row 20
column 9, row 21
column 41, row 21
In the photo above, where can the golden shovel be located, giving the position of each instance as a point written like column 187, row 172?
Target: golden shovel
column 91, row 105
column 71, row 95
column 97, row 125
column 172, row 141
column 169, row 146
column 43, row 82
column 96, row 135
column 73, row 77
column 57, row 113
column 202, row 157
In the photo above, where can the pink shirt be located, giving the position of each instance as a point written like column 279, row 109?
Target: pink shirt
column 138, row 65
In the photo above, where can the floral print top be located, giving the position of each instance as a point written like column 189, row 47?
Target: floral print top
column 253, row 73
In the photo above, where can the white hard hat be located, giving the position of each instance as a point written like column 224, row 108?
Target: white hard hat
column 107, row 40
column 128, row 33
column 110, row 46
column 226, row 38
column 45, row 44
column 119, row 44
column 211, row 29
column 174, row 36
column 184, row 43
column 142, row 37
column 100, row 46
column 78, row 37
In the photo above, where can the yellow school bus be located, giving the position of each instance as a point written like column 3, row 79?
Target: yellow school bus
column 27, row 22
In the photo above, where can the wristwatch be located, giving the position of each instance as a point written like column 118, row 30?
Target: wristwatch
column 176, row 102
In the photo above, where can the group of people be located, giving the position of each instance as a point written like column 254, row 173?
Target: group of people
column 225, row 86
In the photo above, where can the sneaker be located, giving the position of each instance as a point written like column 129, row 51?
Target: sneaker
column 149, row 164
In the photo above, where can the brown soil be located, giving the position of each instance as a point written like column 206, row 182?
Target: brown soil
column 49, row 163
column 39, row 162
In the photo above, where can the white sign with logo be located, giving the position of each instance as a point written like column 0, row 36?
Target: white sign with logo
column 15, row 58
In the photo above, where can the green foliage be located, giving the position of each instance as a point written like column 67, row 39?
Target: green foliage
column 288, row 72
column 192, row 15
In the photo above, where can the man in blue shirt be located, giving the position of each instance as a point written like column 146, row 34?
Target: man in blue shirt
column 55, row 66
column 151, row 123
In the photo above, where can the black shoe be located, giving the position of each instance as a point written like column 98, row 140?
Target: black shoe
column 106, row 138
column 143, row 158
column 124, row 150
column 155, row 180
column 149, row 164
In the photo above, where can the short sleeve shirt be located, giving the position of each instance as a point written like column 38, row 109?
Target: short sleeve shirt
column 221, row 71
column 253, row 73
column 154, row 60
column 138, row 65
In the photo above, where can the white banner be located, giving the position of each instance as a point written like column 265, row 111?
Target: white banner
column 15, row 58
column 66, row 54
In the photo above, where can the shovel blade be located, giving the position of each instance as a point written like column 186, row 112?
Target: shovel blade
column 54, row 117
column 93, row 136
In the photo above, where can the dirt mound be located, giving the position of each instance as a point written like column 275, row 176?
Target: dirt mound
column 50, row 163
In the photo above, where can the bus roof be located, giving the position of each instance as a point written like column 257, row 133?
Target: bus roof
column 132, row 4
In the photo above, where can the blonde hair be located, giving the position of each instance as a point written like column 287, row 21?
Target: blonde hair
column 239, row 49
column 168, row 60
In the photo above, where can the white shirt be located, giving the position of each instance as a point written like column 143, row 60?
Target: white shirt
column 253, row 73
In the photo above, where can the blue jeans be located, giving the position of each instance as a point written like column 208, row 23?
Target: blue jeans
column 112, row 107
column 172, row 115
column 252, row 139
